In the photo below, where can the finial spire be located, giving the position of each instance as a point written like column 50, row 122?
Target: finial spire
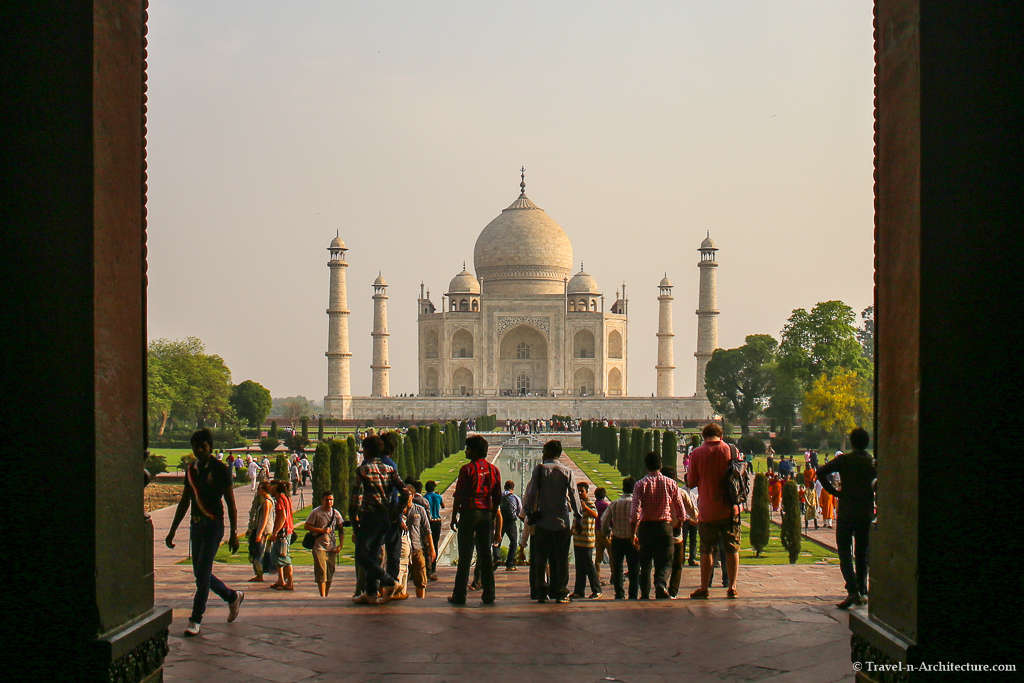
column 337, row 233
column 581, row 266
column 463, row 264
column 522, row 180
column 709, row 233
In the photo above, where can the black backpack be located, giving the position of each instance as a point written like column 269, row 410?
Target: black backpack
column 736, row 482
column 506, row 510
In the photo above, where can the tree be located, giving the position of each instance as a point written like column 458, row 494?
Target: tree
column 251, row 401
column 281, row 467
column 648, row 446
column 269, row 444
column 585, row 435
column 866, row 333
column 339, row 466
column 837, row 403
column 612, row 452
column 320, row 428
column 304, row 421
column 760, row 515
column 739, row 380
column 790, row 534
column 273, row 429
column 625, row 451
column 291, row 408
column 819, row 342
column 670, row 450
column 186, row 383
column 463, row 434
column 322, row 472
column 636, row 461
column 656, row 441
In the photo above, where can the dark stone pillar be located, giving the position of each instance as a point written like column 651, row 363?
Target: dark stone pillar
column 950, row 144
column 80, row 590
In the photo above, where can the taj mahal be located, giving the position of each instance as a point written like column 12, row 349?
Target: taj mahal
column 524, row 337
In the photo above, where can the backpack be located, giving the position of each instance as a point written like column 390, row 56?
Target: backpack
column 507, row 515
column 736, row 482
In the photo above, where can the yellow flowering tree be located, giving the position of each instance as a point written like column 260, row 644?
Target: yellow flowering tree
column 837, row 402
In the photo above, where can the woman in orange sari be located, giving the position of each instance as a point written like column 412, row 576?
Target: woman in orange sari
column 828, row 507
column 775, row 493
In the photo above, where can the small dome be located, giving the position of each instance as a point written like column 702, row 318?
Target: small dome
column 708, row 243
column 582, row 283
column 337, row 243
column 464, row 283
column 665, row 282
column 380, row 281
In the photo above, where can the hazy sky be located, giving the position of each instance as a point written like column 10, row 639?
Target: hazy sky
column 403, row 126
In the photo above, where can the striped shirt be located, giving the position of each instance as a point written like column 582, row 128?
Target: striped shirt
column 585, row 537
column 656, row 498
column 478, row 486
column 374, row 484
column 615, row 520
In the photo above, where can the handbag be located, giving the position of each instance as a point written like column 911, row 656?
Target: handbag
column 309, row 540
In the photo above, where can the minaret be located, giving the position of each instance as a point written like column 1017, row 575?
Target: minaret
column 339, row 383
column 707, row 310
column 666, row 356
column 380, row 385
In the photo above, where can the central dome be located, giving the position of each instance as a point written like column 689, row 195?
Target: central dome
column 523, row 251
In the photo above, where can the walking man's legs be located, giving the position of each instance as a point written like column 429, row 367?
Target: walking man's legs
column 616, row 554
column 205, row 539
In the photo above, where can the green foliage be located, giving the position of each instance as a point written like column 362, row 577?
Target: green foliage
column 320, row 428
column 648, row 446
column 636, row 460
column 322, row 474
column 252, row 402
column 612, row 448
column 585, row 435
column 404, row 424
column 821, row 341
column 670, row 450
column 155, row 464
column 645, row 424
column 304, row 421
column 751, row 444
column 433, row 453
column 295, row 442
column 690, row 424
column 739, row 381
column 656, row 441
column 407, row 451
column 281, row 467
column 784, row 445
column 625, row 450
column 186, row 384
column 463, row 434
column 790, row 534
column 268, row 444
column 273, row 429
column 760, row 515
column 352, row 450
column 838, row 402
column 338, row 459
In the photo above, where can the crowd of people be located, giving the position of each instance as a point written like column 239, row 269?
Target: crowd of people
column 542, row 426
column 396, row 526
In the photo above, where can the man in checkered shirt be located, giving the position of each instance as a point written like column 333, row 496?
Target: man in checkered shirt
column 657, row 506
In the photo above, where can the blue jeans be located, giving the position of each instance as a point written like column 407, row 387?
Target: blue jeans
column 206, row 537
column 512, row 531
column 852, row 548
column 374, row 527
column 474, row 532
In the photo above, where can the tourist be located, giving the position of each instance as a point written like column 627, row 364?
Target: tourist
column 475, row 511
column 583, row 541
column 370, row 509
column 856, row 471
column 304, row 466
column 601, row 544
column 770, row 456
column 207, row 489
column 657, row 505
column 401, row 580
column 717, row 518
column 261, row 526
column 678, row 539
column 617, row 528
column 251, row 470
column 393, row 542
column 811, row 497
column 511, row 513
column 295, row 474
column 551, row 498
column 422, row 549
column 689, row 527
column 826, row 501
column 326, row 524
column 436, row 505
column 774, row 491
column 284, row 525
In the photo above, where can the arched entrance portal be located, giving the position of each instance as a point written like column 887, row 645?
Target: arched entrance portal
column 523, row 362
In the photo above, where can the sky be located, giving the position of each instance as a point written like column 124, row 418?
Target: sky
column 402, row 126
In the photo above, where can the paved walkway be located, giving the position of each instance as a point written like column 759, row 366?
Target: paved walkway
column 784, row 628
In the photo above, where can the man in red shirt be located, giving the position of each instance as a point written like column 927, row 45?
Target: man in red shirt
column 474, row 509
column 717, row 519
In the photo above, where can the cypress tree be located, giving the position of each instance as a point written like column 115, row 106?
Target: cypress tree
column 322, row 471
column 305, row 429
column 338, row 457
column 273, row 429
column 399, row 457
column 760, row 515
column 656, row 441
column 585, row 435
column 320, row 428
column 281, row 468
column 669, row 450
column 790, row 535
column 613, row 446
column 408, row 451
column 636, row 460
column 411, row 446
column 625, row 451
column 463, row 434
column 434, row 450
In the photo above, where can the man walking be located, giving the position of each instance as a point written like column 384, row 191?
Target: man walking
column 511, row 513
column 717, row 519
column 620, row 531
column 657, row 505
column 207, row 482
column 552, row 493
column 475, row 507
column 370, row 511
column 856, row 471
column 326, row 523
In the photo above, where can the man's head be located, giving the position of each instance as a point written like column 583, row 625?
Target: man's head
column 552, row 449
column 390, row 440
column 373, row 447
column 669, row 472
column 418, row 485
column 600, row 493
column 860, row 438
column 712, row 430
column 476, row 447
column 202, row 443
column 652, row 461
column 282, row 488
column 409, row 489
column 583, row 487
column 510, row 485
column 431, row 485
column 327, row 500
column 627, row 485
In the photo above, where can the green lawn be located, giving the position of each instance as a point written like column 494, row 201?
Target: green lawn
column 602, row 474
column 445, row 472
column 810, row 552
column 172, row 455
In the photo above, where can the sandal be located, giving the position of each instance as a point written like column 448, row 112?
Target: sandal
column 278, row 586
column 731, row 594
column 699, row 594
column 256, row 579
